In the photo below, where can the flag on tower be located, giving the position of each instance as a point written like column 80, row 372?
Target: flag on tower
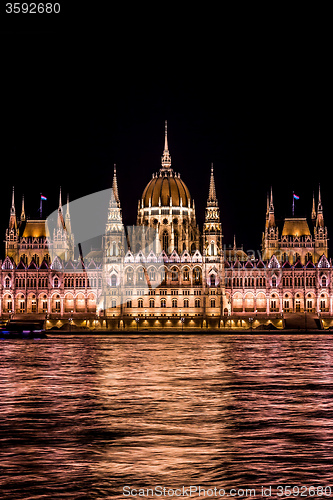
column 43, row 197
column 295, row 196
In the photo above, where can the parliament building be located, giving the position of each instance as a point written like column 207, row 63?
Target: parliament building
column 165, row 273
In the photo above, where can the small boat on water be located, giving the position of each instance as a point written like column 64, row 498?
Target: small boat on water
column 16, row 329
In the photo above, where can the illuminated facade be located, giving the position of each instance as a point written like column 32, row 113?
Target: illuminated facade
column 165, row 273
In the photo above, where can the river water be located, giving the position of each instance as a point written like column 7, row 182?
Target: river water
column 109, row 416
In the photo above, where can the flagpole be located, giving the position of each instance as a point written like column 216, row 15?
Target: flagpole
column 293, row 204
column 40, row 206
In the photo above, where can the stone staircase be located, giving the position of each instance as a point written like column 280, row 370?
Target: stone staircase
column 302, row 322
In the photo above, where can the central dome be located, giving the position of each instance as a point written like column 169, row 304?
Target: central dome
column 165, row 187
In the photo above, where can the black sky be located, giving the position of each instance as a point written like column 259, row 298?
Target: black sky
column 73, row 104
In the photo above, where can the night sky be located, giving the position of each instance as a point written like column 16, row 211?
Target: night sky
column 75, row 104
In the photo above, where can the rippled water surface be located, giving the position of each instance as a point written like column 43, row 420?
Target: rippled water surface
column 83, row 417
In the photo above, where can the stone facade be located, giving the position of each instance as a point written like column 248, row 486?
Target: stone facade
column 164, row 273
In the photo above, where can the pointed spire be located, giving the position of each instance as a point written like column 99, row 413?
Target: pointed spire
column 271, row 217
column 313, row 212
column 320, row 216
column 12, row 218
column 212, row 200
column 61, row 222
column 234, row 247
column 22, row 211
column 115, row 185
column 166, row 158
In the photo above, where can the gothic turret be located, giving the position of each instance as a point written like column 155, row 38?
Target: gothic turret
column 270, row 236
column 212, row 226
column 320, row 230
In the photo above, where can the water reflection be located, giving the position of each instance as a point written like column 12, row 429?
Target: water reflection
column 81, row 417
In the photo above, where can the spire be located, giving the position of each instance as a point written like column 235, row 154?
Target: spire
column 22, row 211
column 166, row 158
column 320, row 216
column 234, row 247
column 212, row 200
column 61, row 222
column 12, row 218
column 115, row 185
column 313, row 212
column 68, row 216
column 271, row 217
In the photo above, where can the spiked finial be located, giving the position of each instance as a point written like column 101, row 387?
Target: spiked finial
column 115, row 184
column 12, row 219
column 313, row 212
column 22, row 211
column 320, row 215
column 166, row 158
column 212, row 200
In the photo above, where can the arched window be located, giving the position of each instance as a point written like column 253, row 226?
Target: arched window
column 197, row 275
column 114, row 248
column 163, row 303
column 113, row 280
column 174, row 274
column 140, row 303
column 274, row 281
column 56, row 282
column 176, row 241
column 186, row 303
column 140, row 275
column 212, row 249
column 212, row 280
column 323, row 281
column 212, row 303
column 186, row 274
column 197, row 303
column 129, row 275
column 174, row 302
column 152, row 274
column 151, row 303
column 7, row 282
column 165, row 241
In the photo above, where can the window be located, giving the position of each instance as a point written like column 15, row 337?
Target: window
column 165, row 241
column 186, row 303
column 163, row 303
column 44, row 303
column 212, row 303
column 128, row 303
column 140, row 275
column 151, row 303
column 113, row 280
column 186, row 274
column 129, row 275
column 140, row 303
column 152, row 274
column 273, row 281
column 212, row 280
column 174, row 274
column 113, row 303
column 323, row 281
column 176, row 241
column 197, row 275
column 56, row 282
column 7, row 282
column 174, row 302
column 197, row 303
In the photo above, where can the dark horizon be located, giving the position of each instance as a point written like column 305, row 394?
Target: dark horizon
column 66, row 121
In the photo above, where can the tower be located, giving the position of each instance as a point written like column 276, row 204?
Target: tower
column 113, row 242
column 213, row 258
column 212, row 231
column 11, row 241
column 270, row 239
column 320, row 231
column 63, row 239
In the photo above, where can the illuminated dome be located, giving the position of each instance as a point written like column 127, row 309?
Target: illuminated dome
column 165, row 189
